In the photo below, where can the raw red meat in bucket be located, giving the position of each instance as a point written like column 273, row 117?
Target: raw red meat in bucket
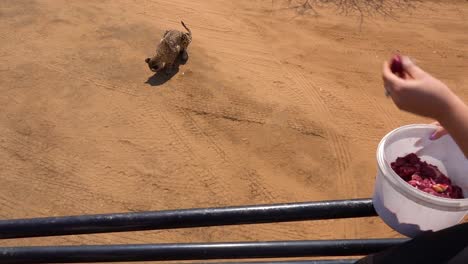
column 425, row 177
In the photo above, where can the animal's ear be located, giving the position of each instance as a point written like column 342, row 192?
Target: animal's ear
column 147, row 60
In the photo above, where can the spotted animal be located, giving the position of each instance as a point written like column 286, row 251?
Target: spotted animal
column 172, row 44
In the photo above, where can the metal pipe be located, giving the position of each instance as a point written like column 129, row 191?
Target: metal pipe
column 312, row 261
column 193, row 251
column 120, row 222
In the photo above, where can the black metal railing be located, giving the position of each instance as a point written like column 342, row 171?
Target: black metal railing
column 120, row 222
column 239, row 215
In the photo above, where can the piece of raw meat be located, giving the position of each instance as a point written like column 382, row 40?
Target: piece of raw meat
column 425, row 177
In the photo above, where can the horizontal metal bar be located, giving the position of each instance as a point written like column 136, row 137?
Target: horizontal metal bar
column 193, row 251
column 103, row 223
column 311, row 261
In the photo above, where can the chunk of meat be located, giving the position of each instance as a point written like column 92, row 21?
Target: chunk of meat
column 425, row 177
column 396, row 66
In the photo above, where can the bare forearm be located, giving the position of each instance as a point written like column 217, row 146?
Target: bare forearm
column 456, row 123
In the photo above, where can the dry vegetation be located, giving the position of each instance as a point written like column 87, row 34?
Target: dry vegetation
column 362, row 8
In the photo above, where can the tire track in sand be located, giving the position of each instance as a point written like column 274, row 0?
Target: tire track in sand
column 203, row 174
column 308, row 91
column 304, row 90
column 254, row 181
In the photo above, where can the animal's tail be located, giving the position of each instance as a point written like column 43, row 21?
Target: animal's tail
column 188, row 30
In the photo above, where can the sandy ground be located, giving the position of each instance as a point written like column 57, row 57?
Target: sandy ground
column 275, row 104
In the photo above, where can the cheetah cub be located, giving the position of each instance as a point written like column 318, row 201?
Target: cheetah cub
column 172, row 44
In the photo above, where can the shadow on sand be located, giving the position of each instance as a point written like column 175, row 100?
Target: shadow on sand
column 160, row 78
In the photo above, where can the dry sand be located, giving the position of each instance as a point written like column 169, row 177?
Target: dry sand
column 275, row 104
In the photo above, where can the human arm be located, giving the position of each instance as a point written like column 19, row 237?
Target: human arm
column 420, row 93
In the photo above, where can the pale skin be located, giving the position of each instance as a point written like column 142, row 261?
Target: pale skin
column 420, row 93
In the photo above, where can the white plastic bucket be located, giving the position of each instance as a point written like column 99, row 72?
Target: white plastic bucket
column 406, row 209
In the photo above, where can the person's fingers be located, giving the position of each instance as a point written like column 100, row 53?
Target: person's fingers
column 407, row 76
column 438, row 133
column 411, row 68
column 387, row 88
column 390, row 79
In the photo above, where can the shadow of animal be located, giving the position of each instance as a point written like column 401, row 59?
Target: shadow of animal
column 162, row 77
